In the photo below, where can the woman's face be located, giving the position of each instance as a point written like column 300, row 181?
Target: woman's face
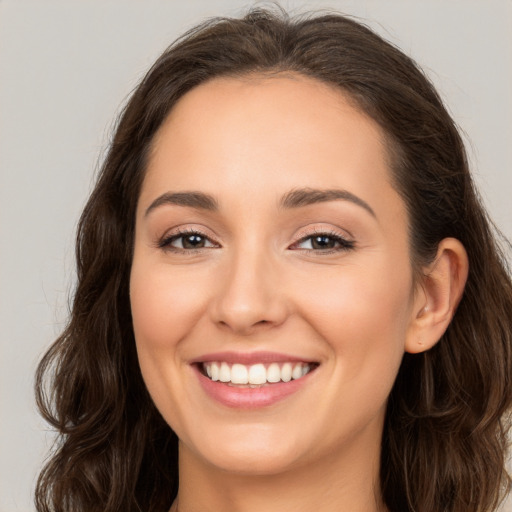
column 270, row 245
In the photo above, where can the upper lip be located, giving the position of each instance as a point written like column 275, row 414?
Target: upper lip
column 249, row 358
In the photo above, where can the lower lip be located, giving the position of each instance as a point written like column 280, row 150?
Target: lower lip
column 249, row 398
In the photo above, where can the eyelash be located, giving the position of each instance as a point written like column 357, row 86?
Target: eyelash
column 343, row 243
column 166, row 242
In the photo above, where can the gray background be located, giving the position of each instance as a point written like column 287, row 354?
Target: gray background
column 67, row 66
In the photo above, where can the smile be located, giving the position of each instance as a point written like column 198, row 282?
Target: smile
column 252, row 380
column 256, row 374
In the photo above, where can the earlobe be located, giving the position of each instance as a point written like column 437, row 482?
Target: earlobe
column 438, row 296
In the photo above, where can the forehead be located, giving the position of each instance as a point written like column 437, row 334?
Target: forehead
column 261, row 133
column 267, row 110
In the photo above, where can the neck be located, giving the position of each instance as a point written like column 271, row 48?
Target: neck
column 349, row 483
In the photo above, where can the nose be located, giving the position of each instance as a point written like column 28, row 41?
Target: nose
column 250, row 297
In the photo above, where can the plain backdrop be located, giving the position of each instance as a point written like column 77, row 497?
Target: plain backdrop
column 67, row 66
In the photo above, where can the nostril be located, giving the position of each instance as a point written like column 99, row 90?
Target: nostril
column 245, row 327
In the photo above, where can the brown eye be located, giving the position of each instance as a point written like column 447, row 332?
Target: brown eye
column 186, row 241
column 324, row 242
column 192, row 241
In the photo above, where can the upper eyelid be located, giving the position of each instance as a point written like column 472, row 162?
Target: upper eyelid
column 164, row 242
column 344, row 241
column 330, row 232
column 177, row 231
column 308, row 232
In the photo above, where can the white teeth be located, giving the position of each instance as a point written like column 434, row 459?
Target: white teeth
column 273, row 373
column 214, row 369
column 256, row 374
column 224, row 373
column 297, row 371
column 286, row 372
column 239, row 374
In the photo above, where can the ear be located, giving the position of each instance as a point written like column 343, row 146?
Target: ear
column 437, row 296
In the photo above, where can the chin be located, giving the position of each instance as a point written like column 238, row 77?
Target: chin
column 252, row 452
column 254, row 463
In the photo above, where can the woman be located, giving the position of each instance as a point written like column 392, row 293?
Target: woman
column 288, row 292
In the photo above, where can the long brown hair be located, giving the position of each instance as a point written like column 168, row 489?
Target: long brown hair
column 444, row 439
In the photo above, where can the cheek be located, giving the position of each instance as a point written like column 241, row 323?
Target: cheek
column 164, row 305
column 165, row 308
column 363, row 314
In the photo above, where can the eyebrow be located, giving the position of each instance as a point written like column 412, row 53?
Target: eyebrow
column 306, row 196
column 198, row 200
column 296, row 198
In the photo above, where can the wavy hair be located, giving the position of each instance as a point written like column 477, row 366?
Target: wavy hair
column 445, row 434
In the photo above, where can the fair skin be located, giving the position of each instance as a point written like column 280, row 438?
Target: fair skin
column 252, row 274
